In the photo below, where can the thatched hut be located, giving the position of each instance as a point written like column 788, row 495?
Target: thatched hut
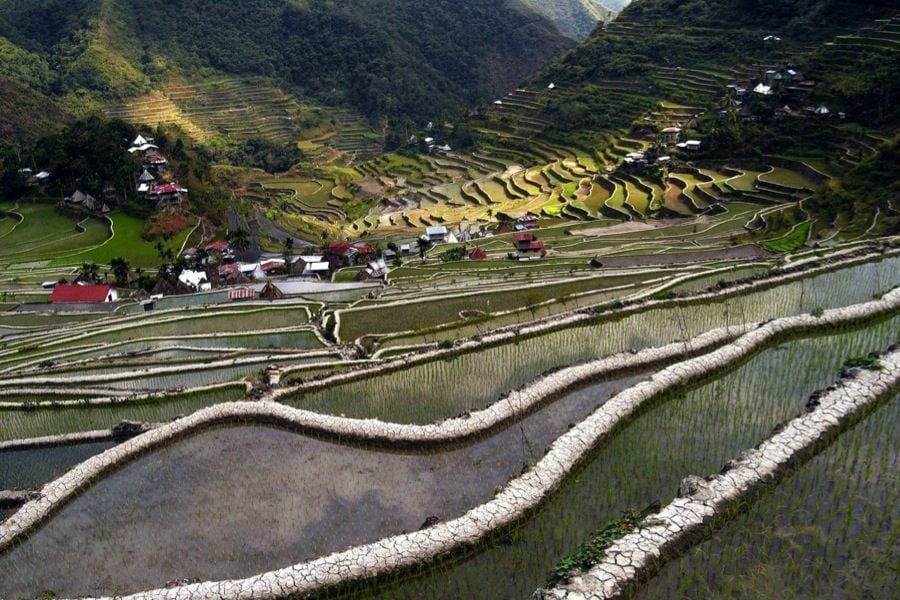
column 271, row 292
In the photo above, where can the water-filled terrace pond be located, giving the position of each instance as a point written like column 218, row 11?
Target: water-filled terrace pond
column 241, row 500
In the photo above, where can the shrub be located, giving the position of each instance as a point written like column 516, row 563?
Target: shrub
column 869, row 363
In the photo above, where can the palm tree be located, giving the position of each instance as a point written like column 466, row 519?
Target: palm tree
column 121, row 270
column 287, row 252
column 239, row 240
column 89, row 271
column 424, row 245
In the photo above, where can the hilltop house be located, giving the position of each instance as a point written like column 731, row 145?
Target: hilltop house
column 167, row 194
column 36, row 180
column 527, row 247
column 671, row 135
column 690, row 145
column 156, row 162
column 145, row 180
column 87, row 293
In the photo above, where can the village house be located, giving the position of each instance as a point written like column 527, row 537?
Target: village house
column 252, row 271
column 783, row 112
column 526, row 223
column 365, row 252
column 376, row 269
column 763, row 90
column 36, row 180
column 273, row 266
column 341, row 254
column 528, row 247
column 635, row 158
column 167, row 194
column 88, row 293
column 671, row 135
column 271, row 292
column 230, row 274
column 197, row 280
column 690, row 145
column 220, row 250
column 478, row 254
column 145, row 180
column 156, row 162
column 436, row 235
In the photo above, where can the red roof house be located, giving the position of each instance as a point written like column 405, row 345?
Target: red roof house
column 270, row 266
column 220, row 246
column 477, row 254
column 527, row 246
column 341, row 254
column 83, row 293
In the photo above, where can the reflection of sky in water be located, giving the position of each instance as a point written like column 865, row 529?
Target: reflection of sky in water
column 242, row 500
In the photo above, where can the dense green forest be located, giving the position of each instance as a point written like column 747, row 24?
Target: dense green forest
column 396, row 58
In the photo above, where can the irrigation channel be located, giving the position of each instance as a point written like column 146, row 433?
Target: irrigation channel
column 441, row 389
column 828, row 531
column 246, row 499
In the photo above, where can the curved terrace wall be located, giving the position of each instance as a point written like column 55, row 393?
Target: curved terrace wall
column 518, row 333
column 703, row 501
column 512, row 503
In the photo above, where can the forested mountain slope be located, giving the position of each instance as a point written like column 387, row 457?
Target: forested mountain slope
column 394, row 58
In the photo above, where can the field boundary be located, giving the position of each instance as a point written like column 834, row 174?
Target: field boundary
column 512, row 503
column 705, row 501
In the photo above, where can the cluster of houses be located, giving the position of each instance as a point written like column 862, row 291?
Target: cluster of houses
column 154, row 182
column 79, row 198
column 784, row 85
column 33, row 179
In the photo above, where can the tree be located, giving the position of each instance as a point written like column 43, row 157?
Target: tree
column 424, row 245
column 200, row 258
column 89, row 271
column 287, row 252
column 121, row 270
column 239, row 239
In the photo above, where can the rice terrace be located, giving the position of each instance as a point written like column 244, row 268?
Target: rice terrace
column 485, row 299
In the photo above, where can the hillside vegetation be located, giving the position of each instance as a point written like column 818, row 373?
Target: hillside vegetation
column 394, row 58
column 576, row 18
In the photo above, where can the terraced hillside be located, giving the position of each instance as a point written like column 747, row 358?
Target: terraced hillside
column 186, row 373
column 228, row 107
column 528, row 162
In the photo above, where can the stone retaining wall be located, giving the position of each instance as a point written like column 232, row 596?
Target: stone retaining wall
column 113, row 397
column 580, row 317
column 511, row 504
column 703, row 501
